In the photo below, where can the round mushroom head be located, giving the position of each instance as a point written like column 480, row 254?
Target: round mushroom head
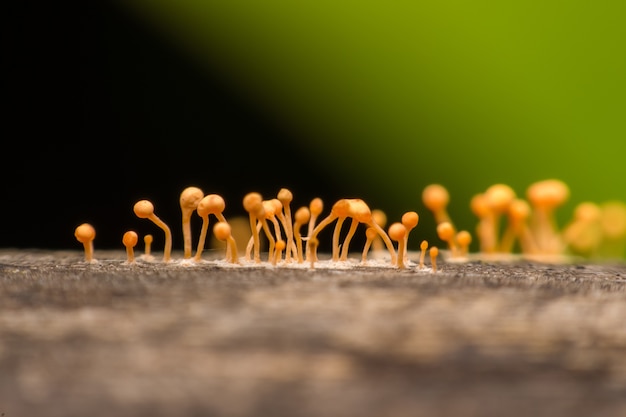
column 285, row 196
column 143, row 209
column 614, row 219
column 547, row 194
column 316, row 206
column 379, row 216
column 360, row 211
column 519, row 210
column 341, row 208
column 302, row 215
column 499, row 197
column 397, row 231
column 410, row 219
column 445, row 231
column 85, row 233
column 587, row 212
column 130, row 239
column 479, row 206
column 190, row 197
column 222, row 230
column 211, row 204
column 435, row 197
column 251, row 201
column 464, row 238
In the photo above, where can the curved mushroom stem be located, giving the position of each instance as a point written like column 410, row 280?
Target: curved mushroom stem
column 336, row 233
column 202, row 238
column 383, row 235
column 410, row 219
column 380, row 218
column 278, row 238
column 222, row 231
column 312, row 243
column 144, row 209
column 250, row 244
column 271, row 239
column 167, row 251
column 256, row 242
column 231, row 250
column 348, row 238
column 371, row 236
column 315, row 208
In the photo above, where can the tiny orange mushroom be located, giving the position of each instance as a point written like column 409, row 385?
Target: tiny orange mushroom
column 301, row 217
column 130, row 239
column 446, row 232
column 434, row 252
column 398, row 232
column 189, row 199
column 409, row 220
column 85, row 234
column 544, row 197
column 517, row 228
column 371, row 235
column 147, row 241
column 316, row 206
column 463, row 239
column 279, row 247
column 144, row 209
column 253, row 204
column 360, row 213
column 480, row 208
column 423, row 248
column 286, row 197
column 436, row 198
column 498, row 198
column 223, row 232
column 210, row 204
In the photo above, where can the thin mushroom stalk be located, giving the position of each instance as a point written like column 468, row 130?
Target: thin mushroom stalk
column 223, row 232
column 209, row 204
column 85, row 234
column 371, row 236
column 286, row 197
column 189, row 199
column 144, row 209
column 301, row 217
column 397, row 232
column 130, row 239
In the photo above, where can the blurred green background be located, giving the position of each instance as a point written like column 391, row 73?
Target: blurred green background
column 137, row 99
column 393, row 95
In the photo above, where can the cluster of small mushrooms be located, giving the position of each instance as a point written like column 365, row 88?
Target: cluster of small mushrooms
column 508, row 226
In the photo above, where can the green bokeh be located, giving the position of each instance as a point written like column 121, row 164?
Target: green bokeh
column 394, row 95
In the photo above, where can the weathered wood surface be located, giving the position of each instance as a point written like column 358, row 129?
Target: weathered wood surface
column 475, row 339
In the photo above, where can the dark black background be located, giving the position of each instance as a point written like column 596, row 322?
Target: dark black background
column 101, row 111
